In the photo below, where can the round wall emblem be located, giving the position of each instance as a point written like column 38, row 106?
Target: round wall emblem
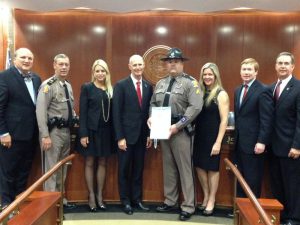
column 154, row 67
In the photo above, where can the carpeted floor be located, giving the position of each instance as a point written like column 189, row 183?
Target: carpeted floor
column 115, row 216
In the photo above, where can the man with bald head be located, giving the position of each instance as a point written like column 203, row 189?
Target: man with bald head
column 130, row 112
column 18, row 125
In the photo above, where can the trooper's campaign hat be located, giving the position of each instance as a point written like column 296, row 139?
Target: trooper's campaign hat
column 174, row 53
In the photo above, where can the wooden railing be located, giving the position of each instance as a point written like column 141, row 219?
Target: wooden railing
column 22, row 197
column 261, row 212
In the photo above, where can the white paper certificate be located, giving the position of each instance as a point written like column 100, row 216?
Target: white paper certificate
column 160, row 122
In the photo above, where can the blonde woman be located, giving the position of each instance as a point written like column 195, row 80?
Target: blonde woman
column 95, row 131
column 210, row 129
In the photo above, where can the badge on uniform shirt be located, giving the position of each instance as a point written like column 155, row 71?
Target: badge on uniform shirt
column 195, row 83
column 46, row 89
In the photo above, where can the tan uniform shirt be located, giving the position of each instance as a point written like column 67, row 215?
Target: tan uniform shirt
column 186, row 98
column 52, row 102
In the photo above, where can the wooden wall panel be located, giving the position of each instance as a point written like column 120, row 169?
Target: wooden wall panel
column 265, row 36
column 124, row 38
column 200, row 43
column 224, row 38
column 3, row 44
column 295, row 25
column 72, row 33
column 229, row 30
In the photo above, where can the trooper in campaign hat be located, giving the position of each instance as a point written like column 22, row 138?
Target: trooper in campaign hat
column 181, row 92
column 174, row 53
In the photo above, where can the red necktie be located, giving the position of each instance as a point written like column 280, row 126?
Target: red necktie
column 277, row 90
column 138, row 91
column 245, row 92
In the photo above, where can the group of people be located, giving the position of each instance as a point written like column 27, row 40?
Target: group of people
column 118, row 120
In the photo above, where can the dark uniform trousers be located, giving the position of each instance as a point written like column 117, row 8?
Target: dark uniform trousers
column 177, row 158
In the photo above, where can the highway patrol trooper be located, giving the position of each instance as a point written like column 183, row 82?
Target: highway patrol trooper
column 54, row 110
column 181, row 92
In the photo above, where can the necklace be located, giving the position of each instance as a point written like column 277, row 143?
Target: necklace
column 108, row 109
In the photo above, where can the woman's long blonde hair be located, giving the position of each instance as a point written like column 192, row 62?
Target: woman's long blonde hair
column 103, row 64
column 217, row 84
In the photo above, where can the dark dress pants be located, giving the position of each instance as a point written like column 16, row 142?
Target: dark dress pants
column 15, row 166
column 285, row 183
column 251, row 167
column 131, row 166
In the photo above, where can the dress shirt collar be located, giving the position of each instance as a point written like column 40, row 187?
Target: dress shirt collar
column 285, row 81
column 250, row 83
column 135, row 80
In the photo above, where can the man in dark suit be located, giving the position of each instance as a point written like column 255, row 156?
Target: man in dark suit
column 130, row 112
column 253, row 108
column 18, row 125
column 285, row 164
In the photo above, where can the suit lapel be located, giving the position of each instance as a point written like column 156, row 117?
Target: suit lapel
column 286, row 91
column 36, row 85
column 237, row 98
column 145, row 93
column 132, row 91
column 250, row 92
column 21, row 85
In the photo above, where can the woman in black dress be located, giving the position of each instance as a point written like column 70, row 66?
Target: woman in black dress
column 210, row 128
column 95, row 131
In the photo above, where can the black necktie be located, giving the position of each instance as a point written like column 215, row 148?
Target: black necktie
column 167, row 95
column 69, row 105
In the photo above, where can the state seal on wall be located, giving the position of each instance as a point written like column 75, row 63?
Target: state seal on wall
column 154, row 67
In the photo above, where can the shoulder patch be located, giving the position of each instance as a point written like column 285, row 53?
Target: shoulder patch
column 195, row 83
column 46, row 88
column 183, row 119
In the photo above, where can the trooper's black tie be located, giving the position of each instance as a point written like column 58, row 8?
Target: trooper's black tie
column 69, row 105
column 168, row 93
